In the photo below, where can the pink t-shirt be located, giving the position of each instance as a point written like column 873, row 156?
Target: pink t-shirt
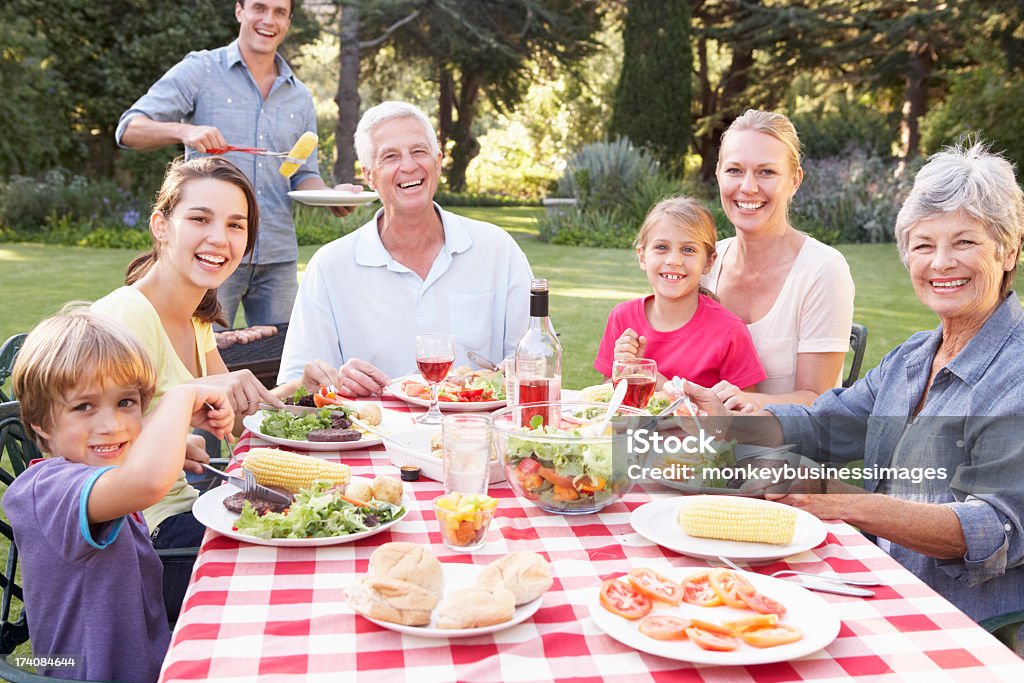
column 714, row 345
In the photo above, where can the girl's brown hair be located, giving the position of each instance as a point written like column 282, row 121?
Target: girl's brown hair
column 68, row 350
column 180, row 172
column 688, row 214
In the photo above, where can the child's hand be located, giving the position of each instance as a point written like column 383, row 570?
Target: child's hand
column 630, row 345
column 735, row 398
column 195, row 453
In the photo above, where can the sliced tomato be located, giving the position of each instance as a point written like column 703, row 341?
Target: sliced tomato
column 555, row 478
column 750, row 623
column 470, row 394
column 655, row 586
column 711, row 627
column 664, row 627
column 712, row 641
column 527, row 466
column 728, row 584
column 327, row 396
column 618, row 597
column 698, row 591
column 760, row 602
column 771, row 636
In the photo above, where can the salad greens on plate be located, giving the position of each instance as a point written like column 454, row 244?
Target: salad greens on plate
column 285, row 425
column 317, row 512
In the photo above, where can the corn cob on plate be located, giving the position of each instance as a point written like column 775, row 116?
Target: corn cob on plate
column 210, row 511
column 657, row 521
column 391, row 421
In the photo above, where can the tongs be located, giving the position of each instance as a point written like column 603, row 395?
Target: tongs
column 250, row 489
column 259, row 151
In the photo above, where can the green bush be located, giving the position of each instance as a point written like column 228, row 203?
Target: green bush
column 316, row 225
column 602, row 173
column 30, row 204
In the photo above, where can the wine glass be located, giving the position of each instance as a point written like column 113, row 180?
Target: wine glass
column 641, row 375
column 435, row 353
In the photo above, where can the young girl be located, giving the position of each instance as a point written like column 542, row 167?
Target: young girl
column 680, row 326
column 91, row 576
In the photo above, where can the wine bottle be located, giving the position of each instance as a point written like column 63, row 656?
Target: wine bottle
column 538, row 363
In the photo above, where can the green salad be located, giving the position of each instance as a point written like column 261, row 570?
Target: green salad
column 563, row 473
column 284, row 425
column 317, row 513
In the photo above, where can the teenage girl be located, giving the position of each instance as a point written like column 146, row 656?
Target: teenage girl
column 680, row 325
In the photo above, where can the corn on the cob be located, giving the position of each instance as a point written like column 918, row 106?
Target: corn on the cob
column 292, row 471
column 730, row 519
column 297, row 154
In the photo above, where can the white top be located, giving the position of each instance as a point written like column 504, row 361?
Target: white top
column 356, row 301
column 812, row 314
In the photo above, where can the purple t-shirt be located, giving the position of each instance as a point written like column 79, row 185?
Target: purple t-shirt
column 714, row 345
column 90, row 592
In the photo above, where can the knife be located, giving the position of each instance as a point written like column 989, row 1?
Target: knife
column 838, row 589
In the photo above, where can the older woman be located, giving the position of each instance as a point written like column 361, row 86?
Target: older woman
column 413, row 268
column 962, row 531
column 794, row 293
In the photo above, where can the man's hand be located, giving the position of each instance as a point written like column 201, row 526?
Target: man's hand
column 340, row 211
column 202, row 138
column 360, row 378
column 735, row 398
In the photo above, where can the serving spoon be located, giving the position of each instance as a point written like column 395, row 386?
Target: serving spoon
column 598, row 428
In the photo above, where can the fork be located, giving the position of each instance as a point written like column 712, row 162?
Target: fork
column 794, row 572
column 254, row 491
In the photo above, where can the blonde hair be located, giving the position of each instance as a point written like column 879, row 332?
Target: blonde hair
column 770, row 123
column 687, row 214
column 68, row 350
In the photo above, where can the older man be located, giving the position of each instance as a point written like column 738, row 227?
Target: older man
column 413, row 268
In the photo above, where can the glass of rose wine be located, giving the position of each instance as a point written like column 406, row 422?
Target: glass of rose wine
column 435, row 353
column 641, row 375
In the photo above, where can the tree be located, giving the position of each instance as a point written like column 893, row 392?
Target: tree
column 652, row 100
column 485, row 47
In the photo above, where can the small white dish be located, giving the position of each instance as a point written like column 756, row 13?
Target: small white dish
column 412, row 447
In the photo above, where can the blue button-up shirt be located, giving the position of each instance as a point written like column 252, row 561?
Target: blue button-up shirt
column 215, row 88
column 972, row 424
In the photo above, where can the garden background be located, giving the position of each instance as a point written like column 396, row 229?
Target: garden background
column 612, row 103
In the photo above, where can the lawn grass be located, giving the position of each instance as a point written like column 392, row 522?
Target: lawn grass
column 585, row 284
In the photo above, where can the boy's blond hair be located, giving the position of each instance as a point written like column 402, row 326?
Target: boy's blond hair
column 71, row 348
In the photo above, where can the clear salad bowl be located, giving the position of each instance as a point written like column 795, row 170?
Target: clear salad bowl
column 567, row 469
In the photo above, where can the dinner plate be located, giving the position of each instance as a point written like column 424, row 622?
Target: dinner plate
column 209, row 510
column 395, row 389
column 456, row 576
column 332, row 197
column 755, row 456
column 808, row 612
column 390, row 421
column 656, row 521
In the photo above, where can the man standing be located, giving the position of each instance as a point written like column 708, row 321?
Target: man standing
column 243, row 94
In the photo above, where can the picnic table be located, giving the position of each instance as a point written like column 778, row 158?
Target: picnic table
column 255, row 612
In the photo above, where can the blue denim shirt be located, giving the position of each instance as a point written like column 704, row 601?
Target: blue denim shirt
column 215, row 88
column 972, row 424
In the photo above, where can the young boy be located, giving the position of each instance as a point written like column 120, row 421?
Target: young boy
column 92, row 580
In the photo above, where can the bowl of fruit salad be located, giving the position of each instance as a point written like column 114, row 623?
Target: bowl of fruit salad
column 464, row 519
column 560, row 465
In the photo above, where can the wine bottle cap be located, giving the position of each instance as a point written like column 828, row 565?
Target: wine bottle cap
column 538, row 285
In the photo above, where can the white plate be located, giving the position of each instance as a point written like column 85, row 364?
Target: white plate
column 656, row 521
column 332, row 197
column 395, row 389
column 808, row 612
column 210, row 511
column 390, row 421
column 412, row 447
column 456, row 576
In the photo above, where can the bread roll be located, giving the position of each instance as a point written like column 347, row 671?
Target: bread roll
column 527, row 575
column 399, row 602
column 408, row 562
column 476, row 606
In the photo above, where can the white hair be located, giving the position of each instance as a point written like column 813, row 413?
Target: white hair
column 383, row 112
column 971, row 180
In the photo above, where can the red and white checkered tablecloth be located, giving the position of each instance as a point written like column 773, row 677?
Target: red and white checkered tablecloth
column 279, row 614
